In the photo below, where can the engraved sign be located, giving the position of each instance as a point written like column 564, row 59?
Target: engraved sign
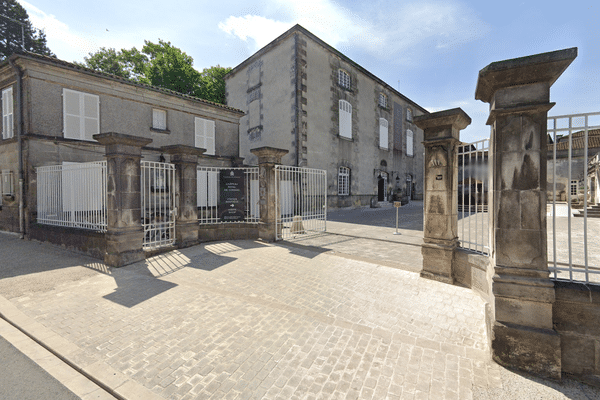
column 232, row 202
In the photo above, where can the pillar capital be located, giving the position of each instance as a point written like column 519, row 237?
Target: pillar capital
column 539, row 70
column 182, row 153
column 121, row 144
column 269, row 155
column 442, row 124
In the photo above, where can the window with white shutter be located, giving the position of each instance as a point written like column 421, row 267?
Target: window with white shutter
column 383, row 133
column 207, row 183
column 345, row 119
column 159, row 119
column 205, row 135
column 409, row 142
column 382, row 100
column 7, row 114
column 409, row 116
column 81, row 113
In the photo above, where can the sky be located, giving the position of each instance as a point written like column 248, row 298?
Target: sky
column 431, row 51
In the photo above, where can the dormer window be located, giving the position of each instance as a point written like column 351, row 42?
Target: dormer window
column 382, row 100
column 343, row 79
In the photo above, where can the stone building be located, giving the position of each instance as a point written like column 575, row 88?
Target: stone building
column 52, row 108
column 578, row 168
column 302, row 95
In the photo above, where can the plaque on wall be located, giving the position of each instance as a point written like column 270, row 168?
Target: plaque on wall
column 232, row 200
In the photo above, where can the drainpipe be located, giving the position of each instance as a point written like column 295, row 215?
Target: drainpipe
column 19, row 107
column 297, row 87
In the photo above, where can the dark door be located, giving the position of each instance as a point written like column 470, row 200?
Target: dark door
column 380, row 189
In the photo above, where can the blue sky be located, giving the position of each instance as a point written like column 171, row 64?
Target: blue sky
column 431, row 51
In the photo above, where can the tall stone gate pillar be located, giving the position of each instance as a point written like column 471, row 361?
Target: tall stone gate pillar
column 441, row 133
column 518, row 92
column 124, row 233
column 268, row 157
column 185, row 159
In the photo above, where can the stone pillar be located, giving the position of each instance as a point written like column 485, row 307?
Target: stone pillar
column 268, row 157
column 124, row 233
column 185, row 159
column 518, row 92
column 441, row 134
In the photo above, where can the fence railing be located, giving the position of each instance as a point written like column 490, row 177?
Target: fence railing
column 72, row 195
column 158, row 204
column 301, row 195
column 209, row 191
column 564, row 262
column 473, row 196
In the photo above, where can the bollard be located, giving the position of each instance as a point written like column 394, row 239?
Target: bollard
column 397, row 205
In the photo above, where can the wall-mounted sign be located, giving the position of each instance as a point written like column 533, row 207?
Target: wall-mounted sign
column 232, row 201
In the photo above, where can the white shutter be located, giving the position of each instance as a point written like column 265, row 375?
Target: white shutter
column 159, row 119
column 81, row 187
column 254, row 199
column 205, row 135
column 383, row 133
column 345, row 119
column 81, row 112
column 202, row 184
column 409, row 142
column 7, row 114
column 213, row 188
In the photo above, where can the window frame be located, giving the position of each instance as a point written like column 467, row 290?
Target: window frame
column 81, row 116
column 384, row 128
column 344, row 79
column 345, row 119
column 155, row 111
column 343, row 181
column 8, row 116
column 382, row 100
column 211, row 135
column 410, row 139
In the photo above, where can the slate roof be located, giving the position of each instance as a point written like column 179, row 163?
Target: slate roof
column 75, row 67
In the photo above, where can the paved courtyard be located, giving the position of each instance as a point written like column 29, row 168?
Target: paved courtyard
column 250, row 320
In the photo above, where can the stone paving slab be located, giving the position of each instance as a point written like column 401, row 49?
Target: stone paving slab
column 246, row 320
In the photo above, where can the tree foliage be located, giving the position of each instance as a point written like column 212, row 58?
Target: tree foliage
column 164, row 65
column 10, row 31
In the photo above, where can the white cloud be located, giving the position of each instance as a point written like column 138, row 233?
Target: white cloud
column 387, row 35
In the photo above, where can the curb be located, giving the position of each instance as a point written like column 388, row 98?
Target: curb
column 97, row 371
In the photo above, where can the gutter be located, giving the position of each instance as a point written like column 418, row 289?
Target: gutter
column 19, row 107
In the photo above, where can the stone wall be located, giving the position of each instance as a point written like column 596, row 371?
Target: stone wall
column 575, row 315
column 232, row 231
column 77, row 240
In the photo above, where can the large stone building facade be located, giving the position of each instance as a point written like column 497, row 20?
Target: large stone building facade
column 302, row 95
column 51, row 109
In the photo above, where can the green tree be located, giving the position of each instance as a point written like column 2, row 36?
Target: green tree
column 10, row 31
column 164, row 65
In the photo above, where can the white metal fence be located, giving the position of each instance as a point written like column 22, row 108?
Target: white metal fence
column 158, row 204
column 301, row 196
column 570, row 258
column 72, row 195
column 209, row 191
column 473, row 195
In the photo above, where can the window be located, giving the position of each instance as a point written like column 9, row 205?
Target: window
column 409, row 114
column 81, row 113
column 409, row 142
column 7, row 113
column 7, row 183
column 344, row 181
column 343, row 79
column 205, row 135
column 345, row 119
column 383, row 133
column 382, row 100
column 573, row 188
column 159, row 119
column 207, row 183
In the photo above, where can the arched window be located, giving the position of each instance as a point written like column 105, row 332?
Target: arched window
column 344, row 181
column 345, row 119
column 383, row 133
column 409, row 142
column 382, row 100
column 343, row 79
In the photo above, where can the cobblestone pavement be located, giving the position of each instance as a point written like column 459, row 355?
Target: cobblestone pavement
column 249, row 320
